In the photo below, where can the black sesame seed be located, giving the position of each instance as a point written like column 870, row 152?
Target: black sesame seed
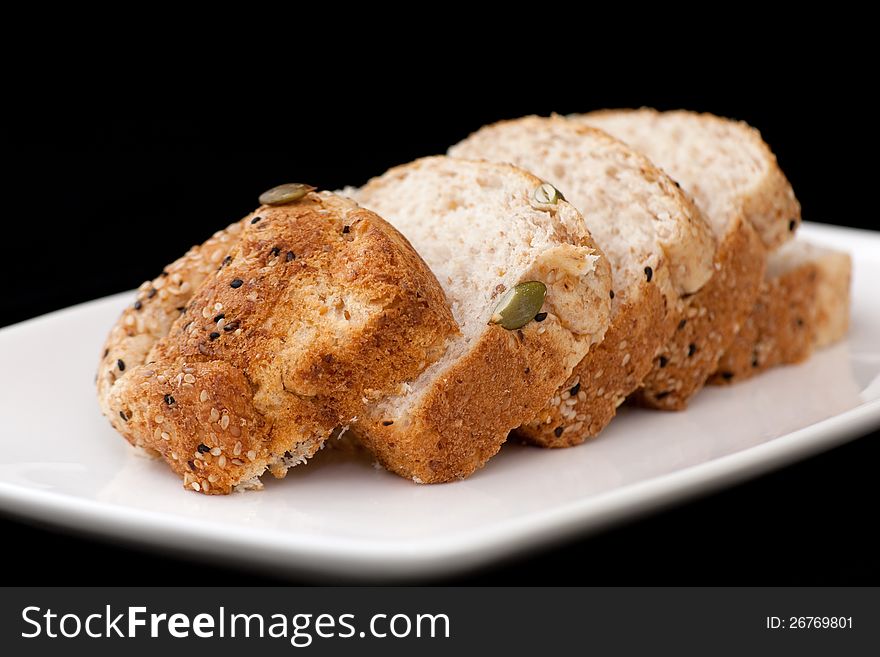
column 540, row 317
column 214, row 335
column 237, row 283
column 191, row 464
column 255, row 220
column 755, row 362
column 663, row 361
column 792, row 225
column 217, row 318
column 152, row 293
column 727, row 376
column 387, row 423
column 203, row 448
column 169, row 399
column 275, row 251
column 662, row 395
column 164, row 273
column 681, row 324
column 692, row 349
column 120, row 364
column 138, row 305
column 527, row 370
column 182, row 309
column 800, row 322
column 676, row 184
column 231, row 326
column 106, row 352
column 346, row 230
column 290, row 256
column 558, row 431
column 611, row 293
column 226, row 261
column 649, row 273
column 575, row 389
column 122, row 415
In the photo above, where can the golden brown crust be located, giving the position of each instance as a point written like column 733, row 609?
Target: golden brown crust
column 588, row 400
column 286, row 342
column 711, row 321
column 466, row 415
column 780, row 328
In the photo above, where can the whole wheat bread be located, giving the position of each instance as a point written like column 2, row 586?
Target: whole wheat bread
column 482, row 232
column 251, row 350
column 734, row 179
column 803, row 305
column 657, row 243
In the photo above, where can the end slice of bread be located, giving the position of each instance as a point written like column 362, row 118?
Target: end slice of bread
column 735, row 181
column 253, row 349
column 482, row 232
column 803, row 306
column 657, row 242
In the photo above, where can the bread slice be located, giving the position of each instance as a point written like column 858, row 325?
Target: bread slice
column 482, row 232
column 803, row 305
column 656, row 241
column 734, row 179
column 251, row 350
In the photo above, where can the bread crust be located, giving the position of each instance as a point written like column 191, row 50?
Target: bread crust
column 712, row 318
column 316, row 306
column 804, row 308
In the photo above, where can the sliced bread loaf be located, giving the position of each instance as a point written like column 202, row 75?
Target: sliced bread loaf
column 251, row 350
column 803, row 305
column 656, row 241
column 734, row 179
column 484, row 233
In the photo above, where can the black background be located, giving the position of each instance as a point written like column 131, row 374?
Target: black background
column 97, row 200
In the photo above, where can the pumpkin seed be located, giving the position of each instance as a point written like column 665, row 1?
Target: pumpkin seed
column 284, row 194
column 547, row 194
column 519, row 305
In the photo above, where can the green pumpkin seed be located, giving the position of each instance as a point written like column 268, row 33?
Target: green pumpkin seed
column 547, row 194
column 284, row 194
column 519, row 305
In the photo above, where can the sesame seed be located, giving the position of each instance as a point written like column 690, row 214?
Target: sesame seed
column 540, row 317
column 188, row 370
column 692, row 349
column 147, row 373
column 557, row 431
column 346, row 229
column 649, row 273
column 237, row 283
column 138, row 305
column 275, row 251
column 189, row 378
column 237, row 449
column 120, row 364
column 224, row 421
column 290, row 256
column 663, row 361
column 727, row 376
column 153, row 292
column 217, row 318
column 252, row 455
column 203, row 448
column 174, row 456
column 792, row 225
column 213, row 336
column 203, row 396
column 215, row 415
column 216, row 451
column 237, row 462
column 191, row 464
column 165, row 435
column 235, row 431
column 162, row 379
column 159, row 419
column 231, row 326
column 213, row 478
column 575, row 389
column 611, row 293
column 681, row 324
column 255, row 220
column 195, row 486
column 122, row 415
column 218, row 306
column 226, row 261
column 221, row 462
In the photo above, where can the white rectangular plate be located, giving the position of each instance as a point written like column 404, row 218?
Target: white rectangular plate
column 61, row 462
